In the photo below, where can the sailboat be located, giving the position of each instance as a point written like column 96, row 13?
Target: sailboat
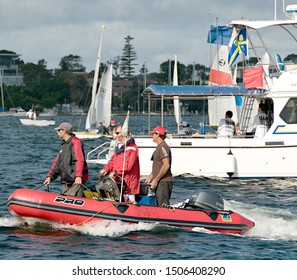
column 176, row 102
column 32, row 120
column 100, row 111
column 100, row 108
column 37, row 122
column 2, row 96
column 220, row 74
column 18, row 112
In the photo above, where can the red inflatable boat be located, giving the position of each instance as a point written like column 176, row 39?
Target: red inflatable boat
column 53, row 207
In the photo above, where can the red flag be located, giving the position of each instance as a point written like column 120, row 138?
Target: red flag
column 252, row 77
column 219, row 77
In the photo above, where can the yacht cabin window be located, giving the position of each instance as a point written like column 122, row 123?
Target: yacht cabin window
column 289, row 112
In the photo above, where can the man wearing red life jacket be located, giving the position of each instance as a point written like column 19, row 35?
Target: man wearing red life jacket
column 125, row 162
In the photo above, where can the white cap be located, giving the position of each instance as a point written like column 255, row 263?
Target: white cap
column 65, row 125
column 184, row 123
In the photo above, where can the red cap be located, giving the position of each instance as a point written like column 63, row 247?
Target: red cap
column 159, row 129
column 112, row 122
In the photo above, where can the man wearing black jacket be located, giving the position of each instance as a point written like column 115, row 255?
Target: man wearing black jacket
column 70, row 163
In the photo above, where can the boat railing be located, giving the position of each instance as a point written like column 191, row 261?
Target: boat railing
column 101, row 153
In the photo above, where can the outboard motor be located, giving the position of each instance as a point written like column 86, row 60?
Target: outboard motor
column 206, row 200
column 108, row 188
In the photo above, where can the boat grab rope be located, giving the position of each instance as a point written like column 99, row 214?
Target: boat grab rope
column 90, row 218
column 169, row 207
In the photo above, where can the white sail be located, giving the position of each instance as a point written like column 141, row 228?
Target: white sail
column 104, row 97
column 220, row 74
column 91, row 117
column 2, row 94
column 176, row 103
column 234, row 78
column 177, row 113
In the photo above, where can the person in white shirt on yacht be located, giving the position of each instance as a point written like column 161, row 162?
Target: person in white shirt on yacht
column 226, row 126
column 260, row 125
column 185, row 129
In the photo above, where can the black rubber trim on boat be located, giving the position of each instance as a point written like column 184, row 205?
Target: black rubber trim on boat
column 121, row 207
column 213, row 215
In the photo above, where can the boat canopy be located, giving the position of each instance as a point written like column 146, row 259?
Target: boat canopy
column 258, row 24
column 200, row 91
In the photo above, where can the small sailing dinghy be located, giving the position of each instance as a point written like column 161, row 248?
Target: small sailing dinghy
column 37, row 122
column 202, row 210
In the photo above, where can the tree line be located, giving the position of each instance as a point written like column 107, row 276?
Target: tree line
column 69, row 83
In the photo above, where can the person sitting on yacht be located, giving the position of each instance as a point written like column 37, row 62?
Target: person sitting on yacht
column 185, row 129
column 260, row 125
column 226, row 126
column 200, row 130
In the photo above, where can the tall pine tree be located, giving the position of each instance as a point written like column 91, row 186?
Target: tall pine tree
column 129, row 55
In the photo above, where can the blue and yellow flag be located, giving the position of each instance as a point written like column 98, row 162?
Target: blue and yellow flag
column 239, row 45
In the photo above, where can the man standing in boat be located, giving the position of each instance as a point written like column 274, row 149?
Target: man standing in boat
column 70, row 163
column 160, row 178
column 125, row 162
column 29, row 114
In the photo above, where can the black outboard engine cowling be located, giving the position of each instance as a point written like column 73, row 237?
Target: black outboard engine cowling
column 206, row 200
column 108, row 188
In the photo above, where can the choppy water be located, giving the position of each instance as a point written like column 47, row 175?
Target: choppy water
column 26, row 154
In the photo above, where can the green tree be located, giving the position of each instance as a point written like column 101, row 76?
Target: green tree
column 46, row 90
column 167, row 66
column 42, row 63
column 251, row 61
column 34, row 73
column 291, row 57
column 76, row 86
column 127, row 67
column 143, row 69
column 115, row 64
column 200, row 74
column 72, row 63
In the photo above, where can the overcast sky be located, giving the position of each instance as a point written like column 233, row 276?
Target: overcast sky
column 51, row 29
